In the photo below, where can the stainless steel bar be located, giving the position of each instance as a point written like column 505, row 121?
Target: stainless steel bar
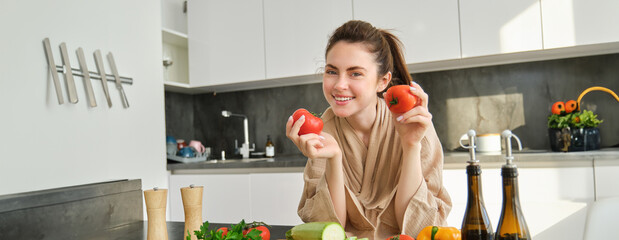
column 52, row 64
column 68, row 74
column 86, row 76
column 95, row 75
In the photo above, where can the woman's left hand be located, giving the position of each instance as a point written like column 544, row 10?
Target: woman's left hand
column 412, row 125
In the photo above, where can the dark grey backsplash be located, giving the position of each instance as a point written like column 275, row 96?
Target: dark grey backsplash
column 267, row 111
column 487, row 99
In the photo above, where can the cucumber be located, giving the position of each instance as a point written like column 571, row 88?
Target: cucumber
column 317, row 231
column 352, row 238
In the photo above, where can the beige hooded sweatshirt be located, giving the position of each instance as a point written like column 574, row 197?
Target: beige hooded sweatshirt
column 371, row 176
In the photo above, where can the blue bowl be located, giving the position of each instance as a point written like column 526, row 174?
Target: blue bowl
column 186, row 152
column 170, row 139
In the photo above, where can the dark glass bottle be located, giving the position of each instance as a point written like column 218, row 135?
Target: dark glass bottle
column 270, row 147
column 476, row 224
column 512, row 225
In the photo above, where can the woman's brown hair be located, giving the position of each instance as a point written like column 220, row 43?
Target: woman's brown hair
column 384, row 45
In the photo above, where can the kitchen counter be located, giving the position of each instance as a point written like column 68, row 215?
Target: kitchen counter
column 452, row 160
column 139, row 230
column 281, row 163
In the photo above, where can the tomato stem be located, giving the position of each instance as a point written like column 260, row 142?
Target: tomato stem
column 256, row 224
column 393, row 101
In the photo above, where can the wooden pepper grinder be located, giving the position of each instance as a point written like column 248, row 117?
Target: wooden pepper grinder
column 192, row 203
column 156, row 200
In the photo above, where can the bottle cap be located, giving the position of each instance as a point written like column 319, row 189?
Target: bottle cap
column 471, row 147
column 507, row 136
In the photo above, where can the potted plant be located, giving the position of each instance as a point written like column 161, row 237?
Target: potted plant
column 571, row 129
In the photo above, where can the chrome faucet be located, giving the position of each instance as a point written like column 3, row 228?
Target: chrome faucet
column 245, row 146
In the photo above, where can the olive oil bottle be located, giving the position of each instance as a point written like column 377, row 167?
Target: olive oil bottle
column 476, row 224
column 512, row 225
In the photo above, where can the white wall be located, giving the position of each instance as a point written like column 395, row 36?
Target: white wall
column 46, row 145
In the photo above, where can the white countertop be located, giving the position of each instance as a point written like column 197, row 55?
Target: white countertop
column 538, row 159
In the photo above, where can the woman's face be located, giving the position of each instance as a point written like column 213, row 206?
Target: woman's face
column 350, row 81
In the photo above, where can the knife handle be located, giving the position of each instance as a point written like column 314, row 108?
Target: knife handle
column 101, row 69
column 68, row 73
column 86, row 76
column 119, row 86
column 123, row 96
column 52, row 68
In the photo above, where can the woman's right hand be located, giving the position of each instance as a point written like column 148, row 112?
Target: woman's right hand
column 312, row 145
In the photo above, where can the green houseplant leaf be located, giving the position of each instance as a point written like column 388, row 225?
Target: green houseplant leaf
column 584, row 119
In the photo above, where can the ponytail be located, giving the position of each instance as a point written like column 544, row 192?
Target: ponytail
column 399, row 73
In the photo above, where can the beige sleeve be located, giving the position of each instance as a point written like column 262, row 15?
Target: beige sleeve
column 316, row 204
column 431, row 203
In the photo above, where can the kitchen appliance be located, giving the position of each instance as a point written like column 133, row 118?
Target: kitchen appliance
column 192, row 205
column 156, row 200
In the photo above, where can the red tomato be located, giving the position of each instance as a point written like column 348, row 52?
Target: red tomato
column 558, row 107
column 312, row 123
column 264, row 232
column 400, row 99
column 224, row 231
column 571, row 106
column 401, row 237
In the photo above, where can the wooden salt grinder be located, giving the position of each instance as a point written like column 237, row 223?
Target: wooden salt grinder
column 156, row 200
column 192, row 203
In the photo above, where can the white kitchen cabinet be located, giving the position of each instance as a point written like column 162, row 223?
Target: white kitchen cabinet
column 226, row 196
column 275, row 197
column 429, row 30
column 554, row 200
column 606, row 177
column 579, row 22
column 495, row 27
column 296, row 34
column 173, row 16
column 268, row 197
column 226, row 42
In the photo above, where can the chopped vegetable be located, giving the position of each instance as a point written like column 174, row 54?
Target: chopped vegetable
column 317, row 231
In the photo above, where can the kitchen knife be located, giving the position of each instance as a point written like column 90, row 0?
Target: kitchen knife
column 52, row 68
column 101, row 69
column 119, row 85
column 86, row 77
column 68, row 73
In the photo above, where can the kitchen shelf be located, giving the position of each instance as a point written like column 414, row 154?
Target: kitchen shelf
column 175, row 55
column 174, row 37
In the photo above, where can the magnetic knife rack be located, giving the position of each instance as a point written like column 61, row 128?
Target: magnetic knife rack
column 86, row 75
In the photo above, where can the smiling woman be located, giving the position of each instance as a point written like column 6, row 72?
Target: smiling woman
column 376, row 173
